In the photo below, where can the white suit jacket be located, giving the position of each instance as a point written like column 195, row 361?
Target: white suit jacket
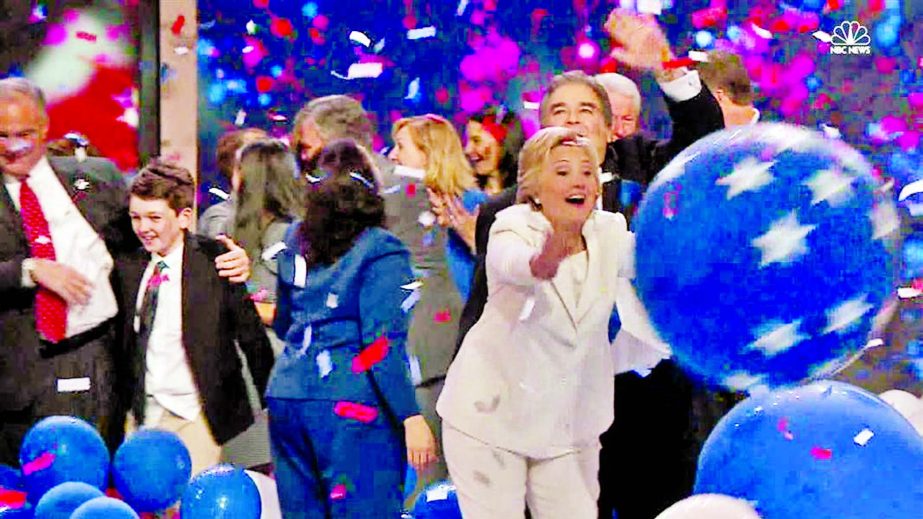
column 535, row 375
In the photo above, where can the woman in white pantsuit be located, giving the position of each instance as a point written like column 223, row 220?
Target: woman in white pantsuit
column 531, row 389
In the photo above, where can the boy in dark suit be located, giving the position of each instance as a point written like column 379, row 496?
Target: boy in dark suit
column 178, row 366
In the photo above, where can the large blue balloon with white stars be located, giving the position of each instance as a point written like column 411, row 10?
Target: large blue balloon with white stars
column 763, row 254
column 823, row 450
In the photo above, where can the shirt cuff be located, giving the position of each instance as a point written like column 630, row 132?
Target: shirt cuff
column 26, row 277
column 683, row 88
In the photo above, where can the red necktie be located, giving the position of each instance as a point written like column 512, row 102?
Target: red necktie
column 50, row 308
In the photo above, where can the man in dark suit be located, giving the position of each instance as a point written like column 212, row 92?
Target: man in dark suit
column 62, row 220
column 178, row 367
column 645, row 465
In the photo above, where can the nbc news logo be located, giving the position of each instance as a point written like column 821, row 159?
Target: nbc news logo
column 847, row 38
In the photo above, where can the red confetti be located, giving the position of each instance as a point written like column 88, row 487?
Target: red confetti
column 708, row 17
column 359, row 412
column 113, row 493
column 442, row 95
column 261, row 4
column 321, row 22
column 264, row 84
column 338, row 492
column 411, row 190
column 678, row 63
column 371, row 355
column 86, row 36
column 281, row 28
column 442, row 316
column 40, row 463
column 820, row 453
column 833, row 5
column 178, row 24
column 876, row 5
column 11, row 498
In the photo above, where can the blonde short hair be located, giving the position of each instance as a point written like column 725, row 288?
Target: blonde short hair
column 447, row 168
column 535, row 155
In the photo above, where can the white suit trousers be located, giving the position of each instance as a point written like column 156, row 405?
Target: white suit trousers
column 493, row 483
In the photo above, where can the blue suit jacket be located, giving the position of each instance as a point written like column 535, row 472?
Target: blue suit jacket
column 345, row 326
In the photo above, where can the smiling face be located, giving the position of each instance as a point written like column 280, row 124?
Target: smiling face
column 482, row 149
column 406, row 152
column 23, row 128
column 576, row 106
column 158, row 226
column 568, row 186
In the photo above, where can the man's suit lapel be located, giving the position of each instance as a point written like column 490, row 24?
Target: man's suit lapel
column 612, row 187
column 10, row 217
column 69, row 178
column 196, row 266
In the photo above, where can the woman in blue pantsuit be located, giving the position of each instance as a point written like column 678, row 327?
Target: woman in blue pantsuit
column 343, row 418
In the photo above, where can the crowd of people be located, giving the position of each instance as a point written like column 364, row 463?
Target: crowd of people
column 454, row 306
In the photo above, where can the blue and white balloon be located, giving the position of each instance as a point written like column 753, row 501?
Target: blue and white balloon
column 763, row 253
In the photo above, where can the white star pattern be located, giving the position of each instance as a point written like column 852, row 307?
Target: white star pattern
column 885, row 220
column 783, row 137
column 843, row 316
column 743, row 381
column 784, row 241
column 675, row 169
column 776, row 337
column 750, row 174
column 830, row 185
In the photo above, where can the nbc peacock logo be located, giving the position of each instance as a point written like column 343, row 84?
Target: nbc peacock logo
column 847, row 38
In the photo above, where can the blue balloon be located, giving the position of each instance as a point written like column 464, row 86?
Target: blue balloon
column 827, row 449
column 221, row 492
column 763, row 253
column 59, row 449
column 61, row 501
column 438, row 501
column 151, row 469
column 104, row 508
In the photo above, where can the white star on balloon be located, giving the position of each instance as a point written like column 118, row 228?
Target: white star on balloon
column 784, row 241
column 749, row 174
column 885, row 220
column 776, row 337
column 675, row 169
column 784, row 137
column 843, row 316
column 743, row 381
column 830, row 185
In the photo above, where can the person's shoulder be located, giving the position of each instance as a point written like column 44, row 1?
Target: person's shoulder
column 97, row 168
column 209, row 247
column 375, row 242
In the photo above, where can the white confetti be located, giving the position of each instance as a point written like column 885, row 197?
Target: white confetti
column 416, row 375
column 863, row 437
column 332, row 300
column 411, row 300
column 360, row 38
column 421, row 33
column 527, row 308
column 240, row 118
column 270, row 252
column 324, row 364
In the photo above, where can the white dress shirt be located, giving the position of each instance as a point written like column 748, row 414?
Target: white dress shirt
column 76, row 245
column 168, row 376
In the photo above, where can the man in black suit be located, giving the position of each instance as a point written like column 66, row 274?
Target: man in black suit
column 62, row 221
column 645, row 463
column 178, row 367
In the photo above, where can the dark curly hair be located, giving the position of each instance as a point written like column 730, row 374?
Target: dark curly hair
column 342, row 201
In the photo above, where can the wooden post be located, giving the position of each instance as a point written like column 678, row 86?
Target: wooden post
column 179, row 111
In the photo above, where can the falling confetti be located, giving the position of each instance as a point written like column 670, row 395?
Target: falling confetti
column 178, row 24
column 371, row 355
column 353, row 411
column 821, row 454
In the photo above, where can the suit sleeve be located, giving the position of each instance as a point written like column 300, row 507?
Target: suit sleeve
column 384, row 324
column 119, row 236
column 692, row 119
column 11, row 275
column 508, row 257
column 251, row 335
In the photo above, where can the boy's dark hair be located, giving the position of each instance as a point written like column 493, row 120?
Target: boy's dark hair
column 161, row 180
column 342, row 201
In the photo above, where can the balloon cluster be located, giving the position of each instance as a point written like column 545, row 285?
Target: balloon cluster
column 66, row 470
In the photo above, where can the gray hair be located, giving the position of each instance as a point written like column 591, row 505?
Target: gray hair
column 618, row 84
column 578, row 77
column 336, row 117
column 20, row 86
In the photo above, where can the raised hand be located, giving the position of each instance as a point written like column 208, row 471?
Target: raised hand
column 638, row 40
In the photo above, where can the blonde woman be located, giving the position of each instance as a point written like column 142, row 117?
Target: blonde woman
column 531, row 389
column 427, row 149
